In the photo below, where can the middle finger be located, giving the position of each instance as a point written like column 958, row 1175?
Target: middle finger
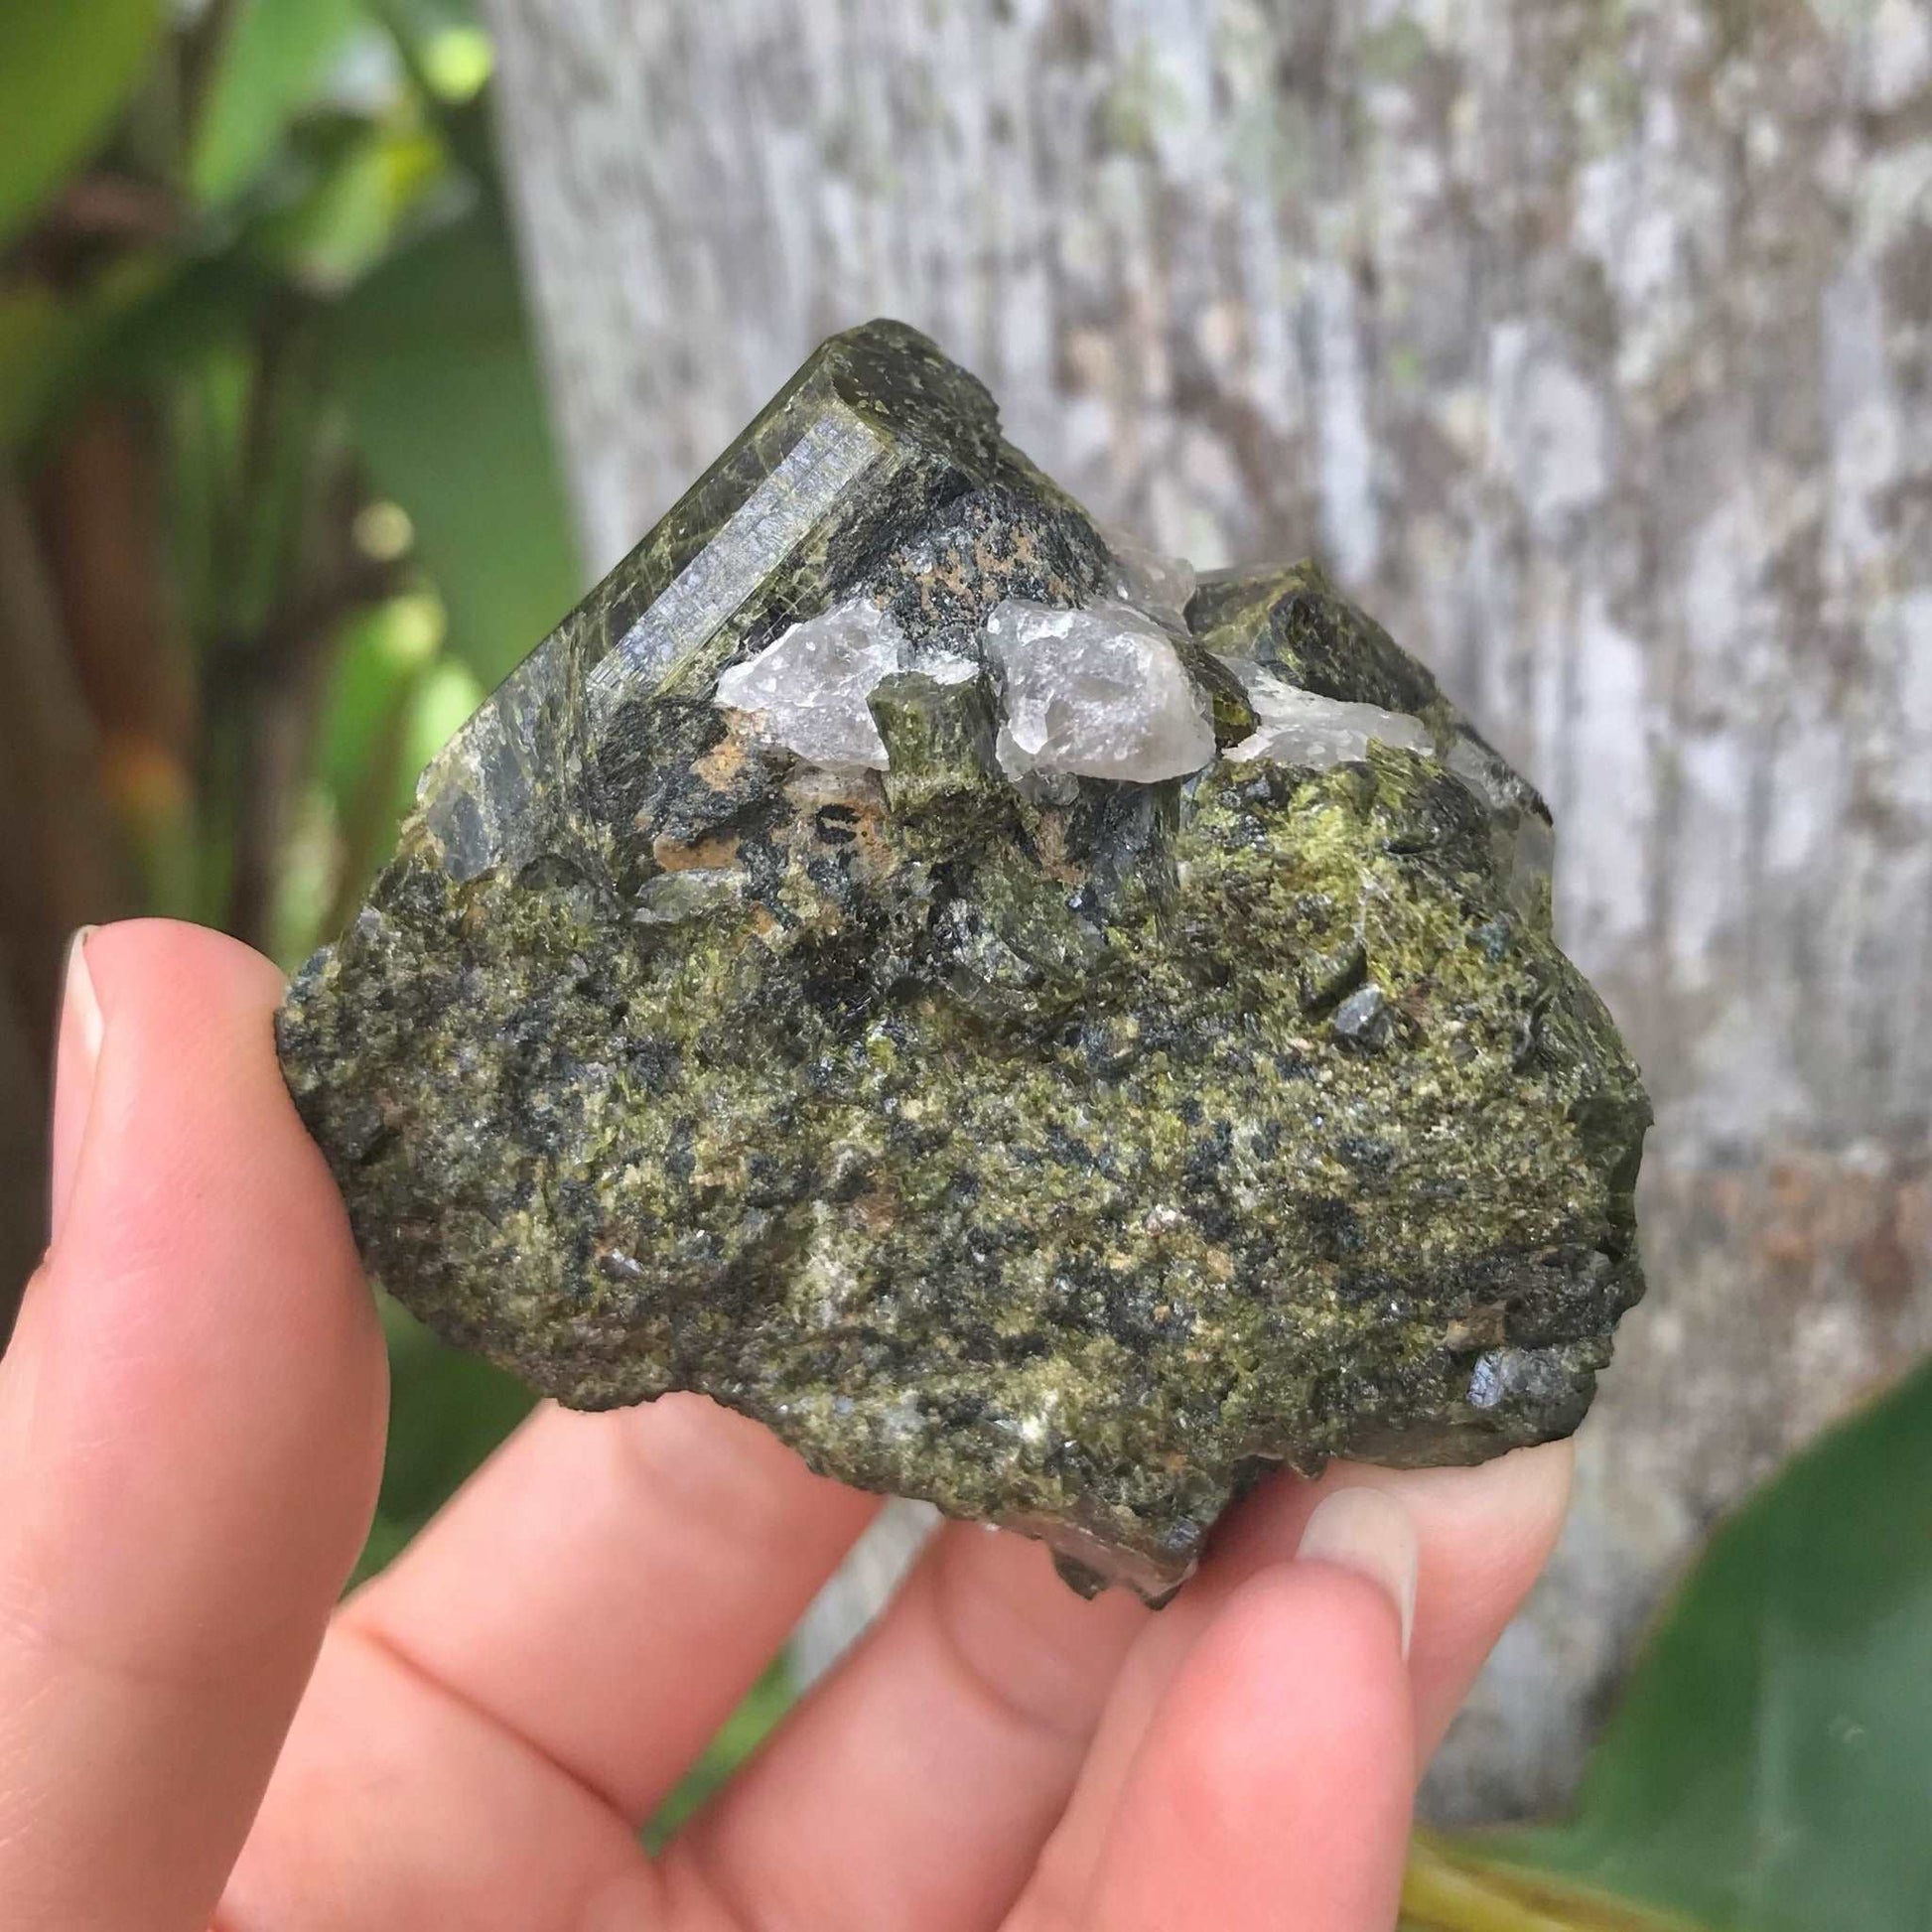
column 916, row 1786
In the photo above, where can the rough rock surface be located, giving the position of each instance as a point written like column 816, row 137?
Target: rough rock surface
column 1063, row 1149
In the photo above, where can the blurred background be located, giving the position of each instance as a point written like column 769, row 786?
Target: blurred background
column 1587, row 342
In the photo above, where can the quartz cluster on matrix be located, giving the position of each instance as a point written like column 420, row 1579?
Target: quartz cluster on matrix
column 1040, row 1031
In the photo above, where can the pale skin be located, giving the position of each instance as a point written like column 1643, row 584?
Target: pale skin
column 195, row 1732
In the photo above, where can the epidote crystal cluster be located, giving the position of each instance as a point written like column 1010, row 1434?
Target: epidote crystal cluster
column 1041, row 1032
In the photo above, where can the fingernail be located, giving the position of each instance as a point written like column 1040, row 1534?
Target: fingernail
column 79, row 1004
column 1367, row 1531
column 78, row 1053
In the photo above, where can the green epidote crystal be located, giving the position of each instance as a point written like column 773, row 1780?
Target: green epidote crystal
column 1064, row 1148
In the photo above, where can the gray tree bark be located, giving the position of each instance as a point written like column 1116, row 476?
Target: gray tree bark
column 1590, row 346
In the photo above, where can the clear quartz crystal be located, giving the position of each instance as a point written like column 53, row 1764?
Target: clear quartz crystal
column 1525, row 843
column 1298, row 727
column 944, row 666
column 1098, row 693
column 808, row 690
column 1147, row 578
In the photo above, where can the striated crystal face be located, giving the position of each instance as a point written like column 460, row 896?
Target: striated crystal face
column 1041, row 1031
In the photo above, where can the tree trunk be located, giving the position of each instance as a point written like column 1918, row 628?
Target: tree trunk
column 1588, row 346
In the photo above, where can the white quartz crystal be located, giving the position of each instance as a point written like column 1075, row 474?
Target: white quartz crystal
column 1296, row 726
column 808, row 690
column 1099, row 693
column 944, row 666
column 1146, row 578
column 1482, row 772
column 1525, row 843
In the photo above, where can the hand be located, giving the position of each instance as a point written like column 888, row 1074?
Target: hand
column 191, row 1434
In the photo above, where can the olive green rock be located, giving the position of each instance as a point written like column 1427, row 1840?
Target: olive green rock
column 1067, row 1150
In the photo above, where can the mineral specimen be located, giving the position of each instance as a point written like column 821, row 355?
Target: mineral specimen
column 1041, row 1033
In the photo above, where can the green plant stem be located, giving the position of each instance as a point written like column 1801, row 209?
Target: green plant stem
column 200, row 60
column 279, row 734
column 371, row 821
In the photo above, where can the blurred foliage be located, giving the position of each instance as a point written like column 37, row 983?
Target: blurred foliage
column 448, row 411
column 262, row 275
column 271, row 67
column 65, row 71
column 285, row 277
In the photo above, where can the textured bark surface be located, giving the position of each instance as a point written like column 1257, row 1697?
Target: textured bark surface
column 1588, row 346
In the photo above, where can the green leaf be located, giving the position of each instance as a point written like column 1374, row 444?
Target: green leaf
column 764, row 1705
column 378, row 665
column 444, row 703
column 273, row 60
column 1450, row 1888
column 434, row 364
column 1770, row 1766
column 370, row 736
column 65, row 69
column 206, row 403
column 347, row 218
